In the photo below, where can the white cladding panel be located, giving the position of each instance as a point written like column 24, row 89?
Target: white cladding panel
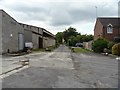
column 21, row 41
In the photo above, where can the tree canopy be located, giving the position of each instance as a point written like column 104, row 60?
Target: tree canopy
column 69, row 32
column 72, row 37
column 59, row 37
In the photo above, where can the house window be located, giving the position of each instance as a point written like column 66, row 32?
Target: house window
column 109, row 28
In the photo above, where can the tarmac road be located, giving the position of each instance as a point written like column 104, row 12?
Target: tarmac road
column 64, row 69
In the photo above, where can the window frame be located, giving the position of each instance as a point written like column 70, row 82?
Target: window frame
column 109, row 29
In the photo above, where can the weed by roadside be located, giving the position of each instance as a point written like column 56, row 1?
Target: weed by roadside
column 80, row 50
column 38, row 50
column 50, row 48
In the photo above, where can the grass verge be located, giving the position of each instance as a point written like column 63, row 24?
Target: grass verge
column 80, row 50
column 38, row 50
column 50, row 48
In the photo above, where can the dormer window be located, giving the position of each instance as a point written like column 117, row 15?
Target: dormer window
column 109, row 29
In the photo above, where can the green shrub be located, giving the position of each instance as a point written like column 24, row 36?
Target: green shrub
column 116, row 49
column 50, row 48
column 99, row 45
column 110, row 45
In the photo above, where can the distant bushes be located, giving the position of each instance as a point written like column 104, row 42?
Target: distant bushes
column 116, row 49
column 99, row 45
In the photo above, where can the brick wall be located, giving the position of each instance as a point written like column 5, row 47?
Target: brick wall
column 98, row 31
column 101, row 31
column 110, row 36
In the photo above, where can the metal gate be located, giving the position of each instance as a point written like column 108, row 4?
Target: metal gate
column 21, row 41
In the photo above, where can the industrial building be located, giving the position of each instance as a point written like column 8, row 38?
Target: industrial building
column 40, row 37
column 15, row 35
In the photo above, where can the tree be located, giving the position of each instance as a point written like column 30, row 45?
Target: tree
column 73, row 40
column 68, row 33
column 59, row 37
column 91, row 37
column 71, row 37
column 86, row 38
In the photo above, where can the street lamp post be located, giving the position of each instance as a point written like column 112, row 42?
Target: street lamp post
column 96, row 11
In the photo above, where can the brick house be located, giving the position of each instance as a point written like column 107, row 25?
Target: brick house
column 108, row 28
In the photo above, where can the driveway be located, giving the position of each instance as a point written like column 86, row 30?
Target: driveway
column 64, row 69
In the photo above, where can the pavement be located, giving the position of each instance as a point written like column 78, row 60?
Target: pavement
column 63, row 69
column 10, row 63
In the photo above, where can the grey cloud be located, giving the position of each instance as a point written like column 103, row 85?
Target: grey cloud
column 88, row 13
column 63, row 13
column 28, row 9
column 29, row 12
column 82, row 15
column 108, row 10
column 60, row 17
column 53, row 13
column 1, row 0
column 70, row 15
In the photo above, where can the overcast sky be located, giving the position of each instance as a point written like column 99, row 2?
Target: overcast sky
column 58, row 15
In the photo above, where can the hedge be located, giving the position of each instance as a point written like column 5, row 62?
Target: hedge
column 116, row 49
column 99, row 45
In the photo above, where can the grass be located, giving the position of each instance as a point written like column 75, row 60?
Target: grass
column 50, row 48
column 39, row 50
column 80, row 50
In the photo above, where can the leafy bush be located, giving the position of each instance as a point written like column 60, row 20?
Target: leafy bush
column 99, row 45
column 110, row 45
column 116, row 49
